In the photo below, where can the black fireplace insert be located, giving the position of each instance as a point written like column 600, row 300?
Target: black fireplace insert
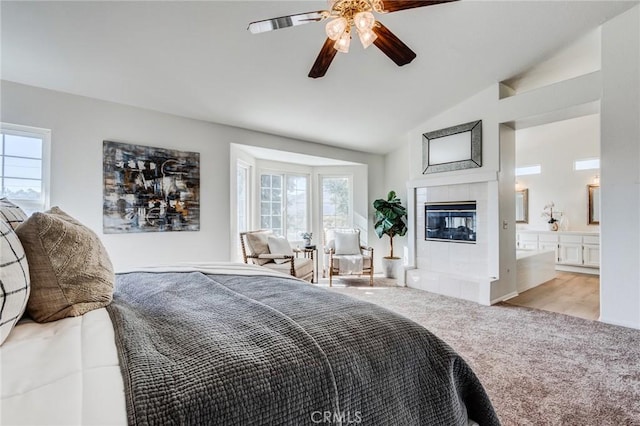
column 451, row 221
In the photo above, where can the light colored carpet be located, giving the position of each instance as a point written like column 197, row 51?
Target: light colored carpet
column 538, row 367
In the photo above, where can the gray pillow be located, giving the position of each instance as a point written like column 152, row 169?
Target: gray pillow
column 14, row 277
column 70, row 270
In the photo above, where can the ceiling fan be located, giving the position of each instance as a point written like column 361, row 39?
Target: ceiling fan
column 344, row 15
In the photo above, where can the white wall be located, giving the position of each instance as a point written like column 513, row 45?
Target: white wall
column 78, row 127
column 396, row 166
column 620, row 182
column 504, row 258
column 555, row 146
column 579, row 58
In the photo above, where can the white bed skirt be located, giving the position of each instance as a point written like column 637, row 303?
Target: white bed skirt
column 62, row 373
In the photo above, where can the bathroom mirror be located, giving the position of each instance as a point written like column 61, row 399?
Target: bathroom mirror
column 522, row 206
column 594, row 204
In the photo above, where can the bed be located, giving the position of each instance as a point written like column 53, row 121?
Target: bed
column 284, row 352
column 219, row 344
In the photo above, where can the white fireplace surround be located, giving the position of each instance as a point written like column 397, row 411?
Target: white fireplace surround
column 465, row 271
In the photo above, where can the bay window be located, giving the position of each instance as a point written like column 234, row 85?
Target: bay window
column 284, row 204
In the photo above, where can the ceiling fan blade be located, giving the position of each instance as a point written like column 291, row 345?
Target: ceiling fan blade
column 395, row 5
column 326, row 55
column 287, row 21
column 392, row 46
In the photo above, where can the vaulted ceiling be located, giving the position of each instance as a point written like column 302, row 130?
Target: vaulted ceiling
column 197, row 59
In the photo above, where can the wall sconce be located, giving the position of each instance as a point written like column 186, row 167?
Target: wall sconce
column 596, row 180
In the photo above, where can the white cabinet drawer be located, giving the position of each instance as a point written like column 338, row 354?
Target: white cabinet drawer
column 528, row 245
column 548, row 238
column 571, row 239
column 591, row 239
column 529, row 237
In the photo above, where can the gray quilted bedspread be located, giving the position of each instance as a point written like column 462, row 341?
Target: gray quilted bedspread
column 201, row 349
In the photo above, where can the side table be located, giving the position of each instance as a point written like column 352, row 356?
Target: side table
column 310, row 252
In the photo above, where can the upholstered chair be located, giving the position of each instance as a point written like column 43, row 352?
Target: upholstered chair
column 265, row 249
column 345, row 255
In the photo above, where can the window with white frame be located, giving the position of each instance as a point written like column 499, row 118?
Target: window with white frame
column 336, row 202
column 296, row 198
column 24, row 166
column 284, row 204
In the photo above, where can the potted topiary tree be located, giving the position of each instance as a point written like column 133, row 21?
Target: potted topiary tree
column 391, row 220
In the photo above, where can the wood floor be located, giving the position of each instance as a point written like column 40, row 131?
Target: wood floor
column 569, row 293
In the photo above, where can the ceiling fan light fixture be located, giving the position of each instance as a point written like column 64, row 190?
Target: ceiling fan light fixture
column 364, row 21
column 367, row 37
column 342, row 44
column 341, row 17
column 336, row 28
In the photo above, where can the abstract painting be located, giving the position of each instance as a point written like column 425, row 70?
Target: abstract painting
column 150, row 189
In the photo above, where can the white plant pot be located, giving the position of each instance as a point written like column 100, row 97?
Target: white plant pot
column 391, row 266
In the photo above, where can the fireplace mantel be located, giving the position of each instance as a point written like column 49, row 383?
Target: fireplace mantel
column 428, row 181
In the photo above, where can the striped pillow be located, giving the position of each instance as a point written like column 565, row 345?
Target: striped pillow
column 14, row 280
column 11, row 213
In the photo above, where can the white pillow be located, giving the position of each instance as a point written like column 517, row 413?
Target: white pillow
column 279, row 246
column 347, row 243
column 11, row 213
column 14, row 275
column 258, row 244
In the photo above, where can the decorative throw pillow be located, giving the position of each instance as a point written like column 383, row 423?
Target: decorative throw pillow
column 279, row 245
column 347, row 243
column 259, row 244
column 11, row 213
column 14, row 276
column 70, row 270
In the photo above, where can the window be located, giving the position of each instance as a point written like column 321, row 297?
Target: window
column 296, row 211
column 535, row 169
column 242, row 196
column 23, row 166
column 336, row 202
column 587, row 164
column 284, row 204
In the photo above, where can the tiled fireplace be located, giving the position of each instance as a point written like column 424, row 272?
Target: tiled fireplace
column 451, row 242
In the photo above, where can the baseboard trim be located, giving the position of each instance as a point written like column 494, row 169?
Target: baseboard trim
column 620, row 323
column 578, row 269
column 505, row 297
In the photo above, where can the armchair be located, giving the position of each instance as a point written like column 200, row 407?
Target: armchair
column 345, row 255
column 264, row 249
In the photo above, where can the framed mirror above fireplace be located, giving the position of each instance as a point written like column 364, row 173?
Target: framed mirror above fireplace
column 454, row 148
